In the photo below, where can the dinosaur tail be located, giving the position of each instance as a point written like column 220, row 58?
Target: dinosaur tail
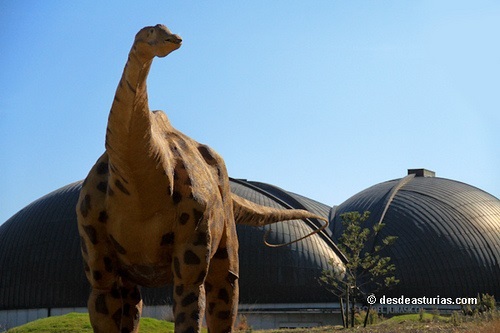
column 252, row 214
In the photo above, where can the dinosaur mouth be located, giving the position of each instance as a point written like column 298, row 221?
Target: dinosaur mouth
column 174, row 39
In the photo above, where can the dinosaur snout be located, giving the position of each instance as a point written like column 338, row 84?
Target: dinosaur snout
column 176, row 39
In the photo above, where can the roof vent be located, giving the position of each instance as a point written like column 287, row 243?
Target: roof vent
column 421, row 173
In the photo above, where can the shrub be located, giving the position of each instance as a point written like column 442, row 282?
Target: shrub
column 435, row 314
column 421, row 314
column 456, row 318
column 243, row 325
column 486, row 303
column 373, row 317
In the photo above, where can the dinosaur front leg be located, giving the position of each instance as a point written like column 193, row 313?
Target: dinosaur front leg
column 114, row 304
column 222, row 292
column 131, row 308
column 190, row 268
column 115, row 310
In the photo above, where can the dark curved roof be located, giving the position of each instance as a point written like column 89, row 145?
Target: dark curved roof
column 448, row 234
column 41, row 264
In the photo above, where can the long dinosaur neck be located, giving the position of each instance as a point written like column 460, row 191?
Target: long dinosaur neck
column 129, row 124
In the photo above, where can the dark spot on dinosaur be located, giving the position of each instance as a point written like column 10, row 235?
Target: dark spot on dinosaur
column 102, row 168
column 173, row 149
column 179, row 289
column 97, row 275
column 124, row 293
column 100, row 305
column 223, row 295
column 115, row 292
column 180, row 318
column 121, row 187
column 201, row 239
column 103, row 216
column 176, row 197
column 108, row 264
column 190, row 258
column 85, row 206
column 182, row 144
column 195, row 315
column 184, row 218
column 117, row 99
column 117, row 245
column 223, row 315
column 126, row 310
column 207, row 154
column 102, row 186
column 135, row 294
column 211, row 307
column 221, row 253
column 167, row 239
column 197, row 215
column 189, row 299
column 201, row 277
column 189, row 330
column 91, row 233
column 177, row 268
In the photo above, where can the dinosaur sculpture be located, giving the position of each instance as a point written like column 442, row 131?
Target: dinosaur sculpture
column 156, row 209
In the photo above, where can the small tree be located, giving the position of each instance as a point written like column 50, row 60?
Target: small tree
column 366, row 272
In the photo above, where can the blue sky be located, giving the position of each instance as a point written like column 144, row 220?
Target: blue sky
column 321, row 98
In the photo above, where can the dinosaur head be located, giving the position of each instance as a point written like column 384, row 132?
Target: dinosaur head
column 156, row 41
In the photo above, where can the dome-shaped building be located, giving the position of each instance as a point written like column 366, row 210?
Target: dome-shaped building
column 448, row 234
column 42, row 274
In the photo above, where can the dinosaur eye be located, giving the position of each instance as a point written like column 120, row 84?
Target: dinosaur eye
column 151, row 31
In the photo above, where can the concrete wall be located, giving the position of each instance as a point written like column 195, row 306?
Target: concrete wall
column 269, row 316
column 13, row 318
column 273, row 320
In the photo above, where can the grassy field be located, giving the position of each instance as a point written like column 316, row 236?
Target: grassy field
column 78, row 322
column 410, row 323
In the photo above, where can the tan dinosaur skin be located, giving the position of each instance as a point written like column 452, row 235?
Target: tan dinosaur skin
column 157, row 209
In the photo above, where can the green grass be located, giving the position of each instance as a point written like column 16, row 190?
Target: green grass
column 415, row 317
column 79, row 322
